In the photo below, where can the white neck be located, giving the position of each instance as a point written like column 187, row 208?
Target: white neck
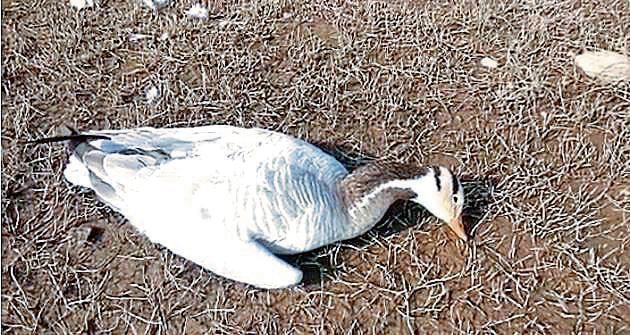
column 369, row 209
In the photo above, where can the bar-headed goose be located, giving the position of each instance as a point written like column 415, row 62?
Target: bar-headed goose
column 230, row 198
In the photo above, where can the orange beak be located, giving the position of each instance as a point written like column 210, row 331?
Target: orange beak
column 458, row 227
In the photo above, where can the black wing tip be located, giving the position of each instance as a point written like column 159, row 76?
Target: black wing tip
column 75, row 138
column 72, row 130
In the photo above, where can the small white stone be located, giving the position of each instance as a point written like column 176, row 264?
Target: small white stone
column 80, row 4
column 198, row 11
column 606, row 66
column 156, row 4
column 152, row 94
column 149, row 3
column 592, row 256
column 489, row 63
column 134, row 37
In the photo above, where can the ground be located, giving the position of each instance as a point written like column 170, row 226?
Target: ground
column 543, row 150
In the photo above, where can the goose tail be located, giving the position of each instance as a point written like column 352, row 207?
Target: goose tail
column 76, row 171
column 74, row 139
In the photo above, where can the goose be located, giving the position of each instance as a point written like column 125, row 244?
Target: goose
column 230, row 199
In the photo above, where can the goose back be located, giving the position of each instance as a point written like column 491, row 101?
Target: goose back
column 219, row 182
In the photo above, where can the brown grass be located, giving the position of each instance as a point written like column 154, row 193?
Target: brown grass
column 544, row 147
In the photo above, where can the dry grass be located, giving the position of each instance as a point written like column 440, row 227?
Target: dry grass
column 545, row 149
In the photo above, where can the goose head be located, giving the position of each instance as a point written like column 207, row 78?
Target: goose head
column 440, row 192
column 372, row 188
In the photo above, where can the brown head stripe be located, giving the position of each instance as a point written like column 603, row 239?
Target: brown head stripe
column 455, row 183
column 436, row 174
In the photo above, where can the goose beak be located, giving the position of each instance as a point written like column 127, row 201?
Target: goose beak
column 458, row 227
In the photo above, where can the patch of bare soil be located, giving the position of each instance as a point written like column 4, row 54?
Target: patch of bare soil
column 543, row 150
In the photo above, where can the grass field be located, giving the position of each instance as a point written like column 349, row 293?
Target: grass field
column 544, row 150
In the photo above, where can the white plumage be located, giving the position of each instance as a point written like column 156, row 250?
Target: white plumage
column 228, row 198
column 221, row 195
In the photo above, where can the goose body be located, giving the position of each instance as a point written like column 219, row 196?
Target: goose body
column 231, row 198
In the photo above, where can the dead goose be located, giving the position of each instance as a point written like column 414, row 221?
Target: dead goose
column 229, row 198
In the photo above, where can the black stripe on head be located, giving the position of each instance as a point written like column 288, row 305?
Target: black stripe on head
column 455, row 183
column 436, row 174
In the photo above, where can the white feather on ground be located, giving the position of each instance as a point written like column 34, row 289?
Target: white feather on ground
column 156, row 4
column 80, row 4
column 152, row 94
column 135, row 37
column 198, row 11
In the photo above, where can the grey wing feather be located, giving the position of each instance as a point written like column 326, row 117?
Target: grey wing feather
column 94, row 160
column 125, row 167
column 115, row 162
column 291, row 189
column 104, row 190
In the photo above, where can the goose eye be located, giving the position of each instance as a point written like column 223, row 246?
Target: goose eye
column 455, row 199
